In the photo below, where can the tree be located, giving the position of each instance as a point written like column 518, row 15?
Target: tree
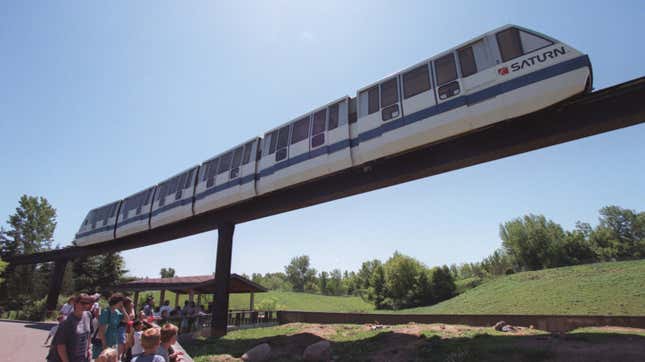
column 335, row 284
column 300, row 275
column 167, row 272
column 364, row 275
column 3, row 265
column 532, row 241
column 322, row 283
column 31, row 230
column 98, row 273
column 443, row 285
column 376, row 291
column 620, row 234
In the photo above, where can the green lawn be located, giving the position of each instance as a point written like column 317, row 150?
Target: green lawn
column 614, row 288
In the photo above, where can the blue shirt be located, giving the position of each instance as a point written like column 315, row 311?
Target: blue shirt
column 111, row 319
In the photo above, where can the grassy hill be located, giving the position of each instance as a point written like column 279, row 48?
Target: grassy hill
column 614, row 288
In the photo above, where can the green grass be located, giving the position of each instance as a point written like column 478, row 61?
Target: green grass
column 613, row 288
column 283, row 301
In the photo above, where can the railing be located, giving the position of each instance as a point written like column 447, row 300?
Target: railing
column 237, row 319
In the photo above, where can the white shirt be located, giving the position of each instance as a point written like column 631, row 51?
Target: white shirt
column 66, row 309
column 165, row 307
column 136, row 347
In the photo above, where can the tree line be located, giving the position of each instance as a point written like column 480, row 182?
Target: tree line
column 31, row 230
column 534, row 242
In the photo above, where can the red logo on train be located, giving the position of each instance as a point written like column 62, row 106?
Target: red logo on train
column 502, row 71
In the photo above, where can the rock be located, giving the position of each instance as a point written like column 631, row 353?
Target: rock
column 498, row 326
column 319, row 351
column 258, row 353
column 377, row 326
column 508, row 328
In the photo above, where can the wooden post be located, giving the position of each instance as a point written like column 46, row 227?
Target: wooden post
column 251, row 301
column 55, row 282
column 176, row 298
column 136, row 303
column 199, row 299
column 162, row 297
column 191, row 295
column 219, row 318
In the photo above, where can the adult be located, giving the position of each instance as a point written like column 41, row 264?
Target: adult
column 72, row 340
column 110, row 321
column 165, row 307
column 67, row 308
column 148, row 307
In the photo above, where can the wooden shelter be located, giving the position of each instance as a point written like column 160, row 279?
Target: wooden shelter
column 191, row 285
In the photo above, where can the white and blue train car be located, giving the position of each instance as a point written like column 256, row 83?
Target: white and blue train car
column 312, row 145
column 173, row 199
column 98, row 225
column 503, row 74
column 134, row 215
column 227, row 178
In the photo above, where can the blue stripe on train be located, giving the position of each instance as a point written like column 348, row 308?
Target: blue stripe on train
column 491, row 92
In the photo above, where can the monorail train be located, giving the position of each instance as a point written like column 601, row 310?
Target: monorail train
column 505, row 73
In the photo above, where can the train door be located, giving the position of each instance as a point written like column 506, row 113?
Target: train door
column 338, row 138
column 417, row 89
column 446, row 78
column 377, row 105
column 299, row 140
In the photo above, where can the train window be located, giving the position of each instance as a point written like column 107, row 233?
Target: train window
column 369, row 101
column 467, row 61
column 237, row 157
column 189, row 178
column 300, row 130
column 224, row 163
column 319, row 122
column 273, row 139
column 509, row 43
column 283, row 137
column 333, row 116
column 446, row 69
column 247, row 152
column 416, row 81
column 389, row 93
column 532, row 42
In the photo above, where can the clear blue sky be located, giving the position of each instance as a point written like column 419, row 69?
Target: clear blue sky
column 99, row 100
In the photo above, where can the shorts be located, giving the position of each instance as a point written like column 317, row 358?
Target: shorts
column 121, row 334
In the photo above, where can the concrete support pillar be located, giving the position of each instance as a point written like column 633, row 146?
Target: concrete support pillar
column 55, row 283
column 162, row 297
column 176, row 298
column 219, row 318
column 191, row 295
column 251, row 306
column 199, row 298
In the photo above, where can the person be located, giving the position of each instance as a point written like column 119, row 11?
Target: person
column 148, row 308
column 67, row 308
column 108, row 355
column 110, row 322
column 71, row 342
column 150, row 341
column 97, row 344
column 165, row 308
column 136, row 336
column 168, row 339
column 52, row 331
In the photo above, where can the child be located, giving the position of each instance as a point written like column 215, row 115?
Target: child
column 137, row 349
column 150, row 341
column 108, row 355
column 52, row 332
column 168, row 338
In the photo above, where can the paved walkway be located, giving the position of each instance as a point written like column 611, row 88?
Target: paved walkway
column 23, row 341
